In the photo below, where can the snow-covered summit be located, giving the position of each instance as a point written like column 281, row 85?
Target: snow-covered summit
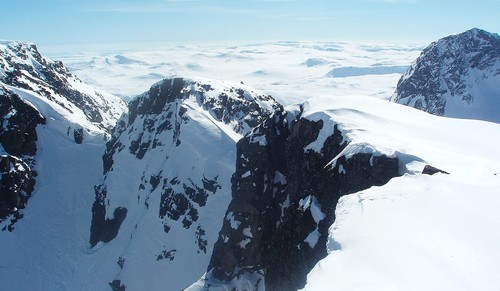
column 25, row 71
column 161, row 216
column 456, row 76
column 235, row 105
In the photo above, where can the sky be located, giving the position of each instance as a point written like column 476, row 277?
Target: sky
column 69, row 22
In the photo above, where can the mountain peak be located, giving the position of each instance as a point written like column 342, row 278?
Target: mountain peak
column 478, row 33
column 25, row 71
column 472, row 40
column 234, row 104
column 456, row 76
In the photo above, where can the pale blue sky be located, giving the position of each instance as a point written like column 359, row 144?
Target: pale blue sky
column 97, row 21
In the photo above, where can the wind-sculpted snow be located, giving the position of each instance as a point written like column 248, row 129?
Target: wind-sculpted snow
column 167, row 178
column 417, row 231
column 457, row 76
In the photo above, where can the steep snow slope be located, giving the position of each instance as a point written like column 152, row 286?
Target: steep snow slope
column 167, row 181
column 38, row 91
column 48, row 249
column 417, row 232
column 53, row 134
column 456, row 76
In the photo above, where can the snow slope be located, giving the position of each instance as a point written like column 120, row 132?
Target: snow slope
column 48, row 250
column 33, row 87
column 417, row 232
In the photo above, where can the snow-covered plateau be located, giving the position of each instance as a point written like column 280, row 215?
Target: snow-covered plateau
column 264, row 166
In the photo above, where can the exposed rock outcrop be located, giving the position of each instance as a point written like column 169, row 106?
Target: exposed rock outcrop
column 18, row 136
column 430, row 170
column 284, row 195
column 456, row 76
column 24, row 68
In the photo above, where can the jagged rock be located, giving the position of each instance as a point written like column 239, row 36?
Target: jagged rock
column 430, row 170
column 19, row 120
column 18, row 136
column 116, row 285
column 102, row 228
column 22, row 66
column 457, row 76
column 233, row 106
column 17, row 184
column 284, row 198
column 31, row 86
column 78, row 135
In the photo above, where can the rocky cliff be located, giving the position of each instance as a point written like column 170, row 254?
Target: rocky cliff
column 34, row 89
column 456, row 76
column 290, row 172
column 18, row 137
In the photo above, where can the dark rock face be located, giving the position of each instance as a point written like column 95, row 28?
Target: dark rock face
column 19, row 120
column 430, row 170
column 17, row 184
column 18, row 138
column 450, row 71
column 284, row 199
column 183, row 204
column 102, row 228
column 116, row 285
column 53, row 74
column 78, row 135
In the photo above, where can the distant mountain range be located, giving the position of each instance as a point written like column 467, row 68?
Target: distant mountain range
column 212, row 185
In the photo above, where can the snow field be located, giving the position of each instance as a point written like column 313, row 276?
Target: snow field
column 417, row 232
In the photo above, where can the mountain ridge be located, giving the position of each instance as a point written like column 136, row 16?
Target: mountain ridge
column 456, row 76
column 213, row 179
column 24, row 69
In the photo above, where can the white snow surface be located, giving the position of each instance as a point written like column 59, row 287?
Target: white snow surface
column 48, row 249
column 417, row 232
